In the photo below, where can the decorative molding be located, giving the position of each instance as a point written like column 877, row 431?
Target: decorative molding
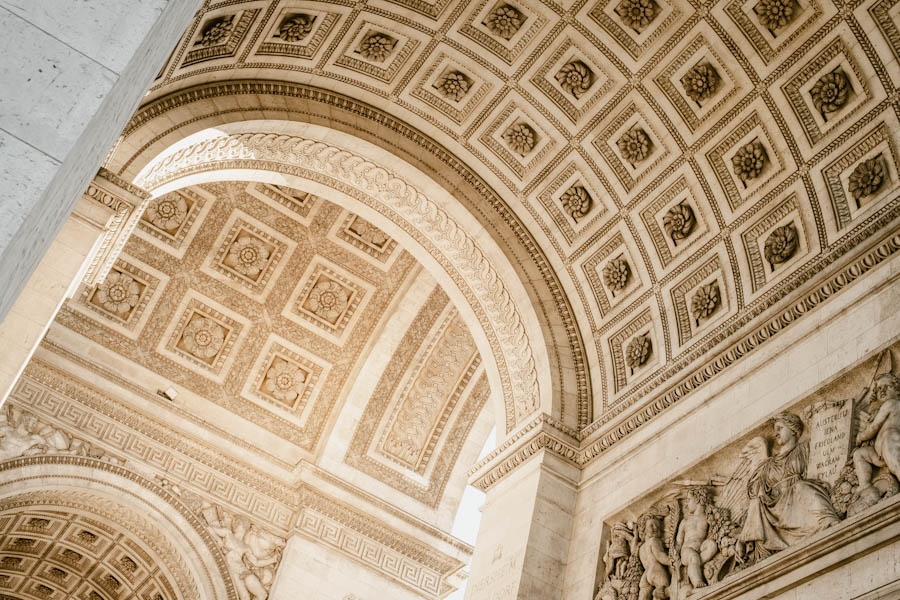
column 348, row 172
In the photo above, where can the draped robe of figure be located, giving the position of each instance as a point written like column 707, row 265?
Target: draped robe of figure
column 785, row 507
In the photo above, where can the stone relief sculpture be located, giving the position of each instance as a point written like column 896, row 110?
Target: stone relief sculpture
column 804, row 477
column 252, row 554
column 22, row 434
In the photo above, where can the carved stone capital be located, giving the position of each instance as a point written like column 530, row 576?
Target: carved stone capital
column 113, row 206
column 542, row 434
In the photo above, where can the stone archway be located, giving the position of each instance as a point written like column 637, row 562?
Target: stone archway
column 100, row 512
column 565, row 389
column 404, row 202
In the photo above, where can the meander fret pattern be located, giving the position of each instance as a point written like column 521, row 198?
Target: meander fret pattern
column 48, row 554
column 660, row 152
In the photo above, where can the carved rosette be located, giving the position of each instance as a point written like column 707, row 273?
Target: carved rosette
column 700, row 82
column 248, row 256
column 706, row 300
column 635, row 145
column 167, row 212
column 295, row 28
column 831, row 92
column 867, row 178
column 377, row 47
column 203, row 337
column 216, row 32
column 679, row 221
column 781, row 244
column 576, row 78
column 638, row 351
column 637, row 14
column 775, row 14
column 504, row 21
column 520, row 138
column 748, row 162
column 328, row 300
column 453, row 86
column 283, row 380
column 119, row 293
column 576, row 201
column 616, row 274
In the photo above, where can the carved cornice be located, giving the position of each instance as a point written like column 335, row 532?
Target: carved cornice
column 539, row 434
column 447, row 240
column 745, row 346
column 401, row 558
column 542, row 433
column 127, row 201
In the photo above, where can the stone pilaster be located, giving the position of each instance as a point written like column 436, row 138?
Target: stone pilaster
column 88, row 243
column 526, row 523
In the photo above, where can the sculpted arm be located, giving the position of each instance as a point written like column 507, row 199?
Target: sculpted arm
column 872, row 428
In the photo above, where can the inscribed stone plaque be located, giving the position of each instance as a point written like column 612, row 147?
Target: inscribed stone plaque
column 830, row 426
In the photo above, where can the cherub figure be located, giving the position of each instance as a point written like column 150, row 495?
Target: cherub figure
column 655, row 560
column 18, row 435
column 885, row 428
column 237, row 538
column 696, row 547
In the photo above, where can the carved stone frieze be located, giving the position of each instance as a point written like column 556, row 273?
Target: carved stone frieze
column 781, row 487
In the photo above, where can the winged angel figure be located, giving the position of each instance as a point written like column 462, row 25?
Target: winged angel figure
column 703, row 531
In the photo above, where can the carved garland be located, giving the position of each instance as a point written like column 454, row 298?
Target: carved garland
column 344, row 170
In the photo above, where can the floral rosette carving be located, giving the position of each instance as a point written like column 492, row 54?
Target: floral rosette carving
column 295, row 28
column 248, row 256
column 520, row 138
column 167, row 212
column 781, row 244
column 700, row 82
column 283, row 380
column 706, row 300
column 217, row 32
column 616, row 273
column 377, row 47
column 328, row 300
column 679, row 221
column 775, row 14
column 576, row 201
column 634, row 145
column 748, row 162
column 866, row 178
column 504, row 21
column 638, row 351
column 637, row 14
column 453, row 86
column 119, row 293
column 203, row 337
column 831, row 92
column 575, row 77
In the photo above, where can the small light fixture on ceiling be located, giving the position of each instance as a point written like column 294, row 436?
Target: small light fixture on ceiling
column 170, row 393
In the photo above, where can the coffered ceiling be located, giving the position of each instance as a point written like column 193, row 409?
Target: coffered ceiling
column 683, row 165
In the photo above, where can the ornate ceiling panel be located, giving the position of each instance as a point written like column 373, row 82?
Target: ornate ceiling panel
column 257, row 298
column 424, row 405
column 51, row 554
column 684, row 165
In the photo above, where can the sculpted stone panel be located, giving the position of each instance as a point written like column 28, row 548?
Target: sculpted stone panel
column 829, row 458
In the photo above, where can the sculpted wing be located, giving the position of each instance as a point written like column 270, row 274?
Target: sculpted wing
column 733, row 494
